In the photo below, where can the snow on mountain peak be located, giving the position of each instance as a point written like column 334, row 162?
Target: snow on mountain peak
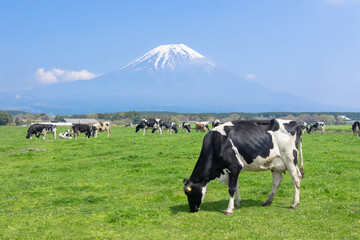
column 163, row 57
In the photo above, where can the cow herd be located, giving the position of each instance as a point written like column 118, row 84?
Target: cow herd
column 38, row 129
column 158, row 125
column 227, row 150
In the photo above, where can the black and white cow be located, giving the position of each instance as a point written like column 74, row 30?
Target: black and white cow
column 215, row 123
column 169, row 126
column 100, row 127
column 317, row 126
column 49, row 128
column 185, row 126
column 35, row 129
column 356, row 128
column 38, row 129
column 78, row 128
column 238, row 146
column 128, row 125
column 65, row 135
column 154, row 124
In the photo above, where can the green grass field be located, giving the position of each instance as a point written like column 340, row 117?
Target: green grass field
column 130, row 186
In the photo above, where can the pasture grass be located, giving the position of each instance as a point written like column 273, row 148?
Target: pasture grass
column 129, row 186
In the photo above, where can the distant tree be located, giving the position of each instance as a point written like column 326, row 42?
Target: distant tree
column 43, row 117
column 78, row 116
column 290, row 117
column 5, row 118
column 327, row 119
column 92, row 115
column 59, row 118
column 135, row 116
column 17, row 121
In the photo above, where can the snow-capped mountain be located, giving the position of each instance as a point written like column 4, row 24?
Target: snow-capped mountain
column 169, row 77
column 167, row 57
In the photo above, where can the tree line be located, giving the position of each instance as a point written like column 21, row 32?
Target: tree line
column 330, row 118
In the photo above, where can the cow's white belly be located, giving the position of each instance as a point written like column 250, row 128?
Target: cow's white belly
column 261, row 164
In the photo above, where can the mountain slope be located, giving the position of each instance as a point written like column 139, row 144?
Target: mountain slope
column 169, row 77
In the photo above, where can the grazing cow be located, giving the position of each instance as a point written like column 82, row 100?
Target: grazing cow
column 41, row 129
column 216, row 123
column 100, row 127
column 316, row 127
column 65, row 135
column 78, row 128
column 202, row 126
column 35, row 129
column 154, row 124
column 169, row 126
column 128, row 125
column 356, row 128
column 238, row 146
column 185, row 126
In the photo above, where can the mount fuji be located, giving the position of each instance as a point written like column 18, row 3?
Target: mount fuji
column 168, row 78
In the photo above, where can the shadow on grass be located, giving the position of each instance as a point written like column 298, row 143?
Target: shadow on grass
column 217, row 206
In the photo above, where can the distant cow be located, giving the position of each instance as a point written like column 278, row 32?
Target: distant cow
column 215, row 123
column 100, row 127
column 238, row 146
column 65, row 135
column 49, row 128
column 35, row 129
column 154, row 124
column 128, row 125
column 317, row 126
column 202, row 126
column 185, row 126
column 78, row 128
column 169, row 126
column 38, row 129
column 356, row 128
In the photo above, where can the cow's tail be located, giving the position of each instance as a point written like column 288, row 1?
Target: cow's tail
column 303, row 126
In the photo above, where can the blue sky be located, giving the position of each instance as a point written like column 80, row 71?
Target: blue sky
column 309, row 48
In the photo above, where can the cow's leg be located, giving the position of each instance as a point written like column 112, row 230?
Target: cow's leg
column 277, row 178
column 296, row 179
column 108, row 131
column 233, row 178
column 143, row 131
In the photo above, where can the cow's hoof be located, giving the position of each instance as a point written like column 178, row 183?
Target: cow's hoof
column 293, row 207
column 266, row 204
column 228, row 213
column 238, row 204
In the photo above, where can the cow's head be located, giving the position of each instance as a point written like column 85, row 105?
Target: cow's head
column 138, row 127
column 195, row 193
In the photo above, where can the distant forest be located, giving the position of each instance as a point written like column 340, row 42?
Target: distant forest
column 330, row 118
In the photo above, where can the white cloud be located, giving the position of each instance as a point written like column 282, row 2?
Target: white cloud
column 250, row 76
column 56, row 75
column 45, row 77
